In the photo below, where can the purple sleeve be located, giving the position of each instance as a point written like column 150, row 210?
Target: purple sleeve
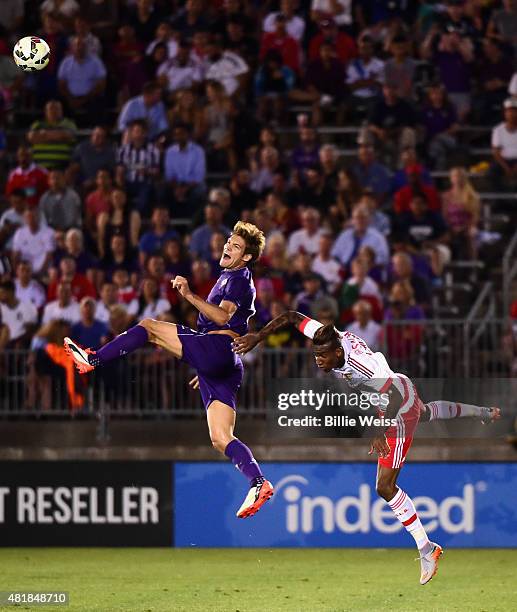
column 235, row 290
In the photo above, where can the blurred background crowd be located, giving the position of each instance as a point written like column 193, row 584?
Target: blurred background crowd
column 344, row 129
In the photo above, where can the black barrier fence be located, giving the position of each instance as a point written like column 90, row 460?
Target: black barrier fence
column 152, row 384
column 86, row 503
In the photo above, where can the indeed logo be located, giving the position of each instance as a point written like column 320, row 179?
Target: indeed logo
column 366, row 512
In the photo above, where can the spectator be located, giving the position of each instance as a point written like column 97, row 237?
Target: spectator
column 348, row 192
column 12, row 219
column 273, row 83
column 359, row 286
column 462, row 212
column 439, row 120
column 200, row 240
column 180, row 71
column 306, row 239
column 294, row 25
column 91, row 156
column 83, row 30
column 306, row 153
column 342, row 44
column 214, row 128
column 504, row 148
column 315, row 192
column 185, row 171
column 403, row 333
column 120, row 220
column 420, row 225
column 274, row 263
column 127, row 296
column 325, row 265
column 176, row 262
column 408, row 160
column 380, row 220
column 415, row 185
column 452, row 53
column 65, row 10
column 53, row 138
column 370, row 173
column 154, row 240
column 269, row 165
column 503, row 23
column 27, row 176
column 359, row 235
column 227, row 67
column 202, row 280
column 79, row 283
column 364, row 326
column 265, row 297
column 34, row 242
column 340, row 12
column 400, row 68
column 325, row 80
column 108, row 298
column 191, row 18
column 128, row 63
column 82, row 81
column 143, row 18
column 19, row 317
column 63, row 308
column 163, row 36
column 392, row 120
column 237, row 41
column 98, row 201
column 217, row 242
column 74, row 248
column 28, row 289
column 279, row 40
column 494, row 71
column 284, row 217
column 313, row 299
column 148, row 106
column 60, row 205
column 403, row 273
column 89, row 331
column 119, row 255
column 140, row 162
column 45, row 81
column 365, row 75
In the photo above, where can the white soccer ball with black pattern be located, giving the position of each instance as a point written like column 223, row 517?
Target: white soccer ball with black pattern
column 31, row 53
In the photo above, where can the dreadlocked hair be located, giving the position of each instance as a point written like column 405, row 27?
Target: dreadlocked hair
column 326, row 334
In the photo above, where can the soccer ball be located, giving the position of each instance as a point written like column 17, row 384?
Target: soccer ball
column 31, row 53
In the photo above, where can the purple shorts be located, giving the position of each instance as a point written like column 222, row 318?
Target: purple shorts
column 219, row 369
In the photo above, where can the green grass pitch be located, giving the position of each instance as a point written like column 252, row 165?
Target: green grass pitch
column 262, row 580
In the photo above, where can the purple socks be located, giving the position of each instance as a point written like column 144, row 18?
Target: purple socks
column 132, row 339
column 242, row 458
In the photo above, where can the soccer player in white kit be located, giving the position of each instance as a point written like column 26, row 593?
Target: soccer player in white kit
column 349, row 356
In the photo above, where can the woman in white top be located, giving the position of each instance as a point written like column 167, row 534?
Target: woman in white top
column 151, row 304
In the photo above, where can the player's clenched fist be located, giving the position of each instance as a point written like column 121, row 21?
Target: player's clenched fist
column 380, row 446
column 181, row 284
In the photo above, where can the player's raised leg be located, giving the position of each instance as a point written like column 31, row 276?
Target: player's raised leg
column 404, row 509
column 160, row 333
column 444, row 410
column 221, row 423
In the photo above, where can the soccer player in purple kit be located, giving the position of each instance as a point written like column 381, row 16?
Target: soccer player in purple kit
column 222, row 317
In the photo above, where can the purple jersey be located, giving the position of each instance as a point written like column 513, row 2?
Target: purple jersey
column 233, row 286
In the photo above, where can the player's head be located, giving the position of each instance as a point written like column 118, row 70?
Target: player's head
column 326, row 348
column 243, row 247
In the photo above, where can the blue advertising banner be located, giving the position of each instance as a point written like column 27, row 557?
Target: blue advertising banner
column 335, row 505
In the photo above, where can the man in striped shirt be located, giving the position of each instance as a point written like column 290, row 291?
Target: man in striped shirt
column 52, row 138
column 140, row 160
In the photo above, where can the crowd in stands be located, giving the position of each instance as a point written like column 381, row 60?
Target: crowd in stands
column 172, row 93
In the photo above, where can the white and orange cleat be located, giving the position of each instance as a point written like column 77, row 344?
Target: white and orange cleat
column 257, row 496
column 429, row 563
column 489, row 415
column 79, row 355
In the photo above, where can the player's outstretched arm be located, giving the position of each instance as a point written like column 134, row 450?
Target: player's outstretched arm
column 306, row 325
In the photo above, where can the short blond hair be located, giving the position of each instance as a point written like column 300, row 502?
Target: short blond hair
column 253, row 237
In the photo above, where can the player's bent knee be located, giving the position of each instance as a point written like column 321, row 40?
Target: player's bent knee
column 385, row 489
column 219, row 441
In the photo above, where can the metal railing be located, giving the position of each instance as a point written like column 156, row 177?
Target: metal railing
column 509, row 273
column 152, row 384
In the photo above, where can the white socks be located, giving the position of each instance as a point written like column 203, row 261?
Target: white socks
column 404, row 510
column 442, row 409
